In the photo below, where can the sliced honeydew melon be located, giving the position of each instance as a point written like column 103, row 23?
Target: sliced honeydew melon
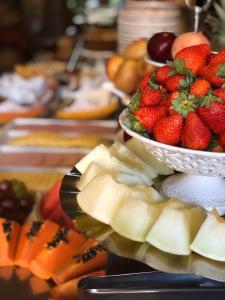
column 139, row 149
column 210, row 239
column 175, row 229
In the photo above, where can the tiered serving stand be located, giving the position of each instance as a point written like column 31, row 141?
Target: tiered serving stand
column 199, row 180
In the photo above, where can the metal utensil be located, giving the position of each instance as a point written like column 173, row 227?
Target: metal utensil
column 75, row 54
column 198, row 10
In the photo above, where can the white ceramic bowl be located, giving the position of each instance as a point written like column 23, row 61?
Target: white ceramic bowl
column 201, row 181
column 181, row 159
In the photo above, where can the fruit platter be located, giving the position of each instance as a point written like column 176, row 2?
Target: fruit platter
column 164, row 181
column 135, row 221
column 34, row 232
column 184, row 127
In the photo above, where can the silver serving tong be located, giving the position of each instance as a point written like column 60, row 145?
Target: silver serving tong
column 198, row 10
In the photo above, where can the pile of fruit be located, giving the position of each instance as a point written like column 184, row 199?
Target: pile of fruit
column 51, row 252
column 163, row 46
column 138, row 212
column 16, row 202
column 126, row 70
column 183, row 103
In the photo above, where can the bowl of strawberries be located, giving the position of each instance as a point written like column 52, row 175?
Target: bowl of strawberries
column 178, row 113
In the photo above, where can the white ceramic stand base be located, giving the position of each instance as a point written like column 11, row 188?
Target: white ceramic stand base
column 205, row 191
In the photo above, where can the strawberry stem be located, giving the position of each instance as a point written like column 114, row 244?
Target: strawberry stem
column 135, row 102
column 208, row 100
column 184, row 103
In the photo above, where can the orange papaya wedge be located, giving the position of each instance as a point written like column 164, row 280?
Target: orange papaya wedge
column 33, row 237
column 68, row 290
column 9, row 233
column 56, row 252
column 89, row 258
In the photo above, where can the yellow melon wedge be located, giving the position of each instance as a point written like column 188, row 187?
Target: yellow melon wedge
column 210, row 240
column 175, row 229
column 102, row 197
column 104, row 157
column 135, row 218
column 139, row 149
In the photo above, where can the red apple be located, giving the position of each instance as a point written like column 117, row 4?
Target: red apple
column 159, row 46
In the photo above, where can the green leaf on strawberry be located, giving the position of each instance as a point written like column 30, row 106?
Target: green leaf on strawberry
column 186, row 83
column 208, row 100
column 221, row 71
column 135, row 102
column 153, row 85
column 184, row 103
column 132, row 123
column 179, row 67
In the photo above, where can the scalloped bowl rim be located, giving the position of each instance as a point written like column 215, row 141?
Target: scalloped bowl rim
column 155, row 63
column 149, row 141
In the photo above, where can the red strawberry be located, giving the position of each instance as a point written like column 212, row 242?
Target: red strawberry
column 217, row 58
column 148, row 116
column 203, row 71
column 215, row 74
column 216, row 145
column 222, row 139
column 169, row 102
column 150, row 96
column 220, row 93
column 212, row 113
column 51, row 209
column 200, row 87
column 145, row 79
column 168, row 130
column 162, row 74
column 195, row 134
column 194, row 57
column 173, row 82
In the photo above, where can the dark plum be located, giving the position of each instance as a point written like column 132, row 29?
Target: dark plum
column 159, row 46
column 5, row 186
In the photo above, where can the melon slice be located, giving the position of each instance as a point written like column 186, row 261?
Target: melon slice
column 210, row 240
column 104, row 157
column 139, row 149
column 95, row 169
column 131, row 159
column 103, row 196
column 135, row 218
column 175, row 229
column 91, row 172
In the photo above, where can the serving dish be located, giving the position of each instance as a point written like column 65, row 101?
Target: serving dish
column 50, row 155
column 143, row 252
column 201, row 179
column 152, row 285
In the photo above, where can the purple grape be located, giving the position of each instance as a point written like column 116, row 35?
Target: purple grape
column 8, row 204
column 5, row 186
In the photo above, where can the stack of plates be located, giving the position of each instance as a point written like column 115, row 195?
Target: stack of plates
column 142, row 19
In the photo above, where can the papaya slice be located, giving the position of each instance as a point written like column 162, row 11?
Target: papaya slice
column 9, row 233
column 33, row 237
column 90, row 257
column 6, row 273
column 56, row 252
column 22, row 274
column 68, row 290
column 38, row 286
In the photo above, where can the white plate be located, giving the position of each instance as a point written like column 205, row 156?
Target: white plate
column 109, row 85
column 153, row 62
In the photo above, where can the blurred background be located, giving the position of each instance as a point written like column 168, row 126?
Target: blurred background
column 31, row 28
